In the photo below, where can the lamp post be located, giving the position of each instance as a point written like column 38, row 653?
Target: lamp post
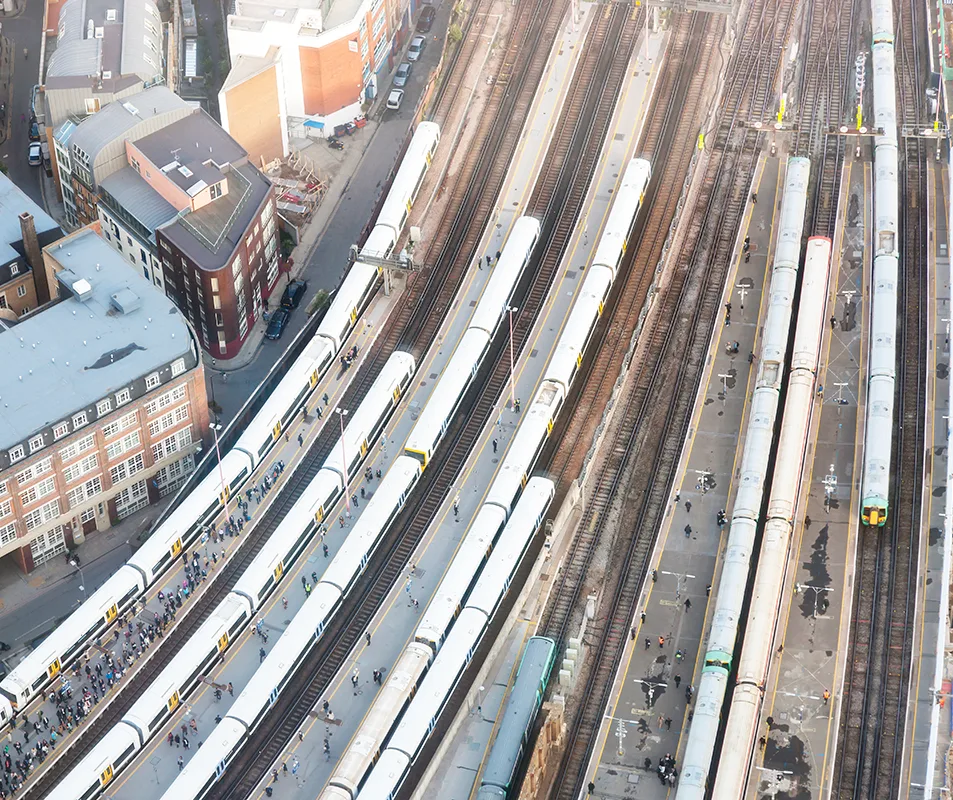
column 512, row 310
column 347, row 495
column 82, row 577
column 215, row 428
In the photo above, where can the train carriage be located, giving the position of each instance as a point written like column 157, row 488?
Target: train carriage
column 625, row 207
column 208, row 762
column 196, row 511
column 287, row 399
column 67, row 640
column 452, row 384
column 96, row 771
column 460, row 576
column 365, row 748
column 530, row 438
column 188, row 666
column 516, row 254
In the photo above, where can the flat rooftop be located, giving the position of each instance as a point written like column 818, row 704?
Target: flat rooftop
column 68, row 356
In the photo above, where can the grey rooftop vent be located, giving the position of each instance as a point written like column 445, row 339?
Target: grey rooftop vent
column 125, row 301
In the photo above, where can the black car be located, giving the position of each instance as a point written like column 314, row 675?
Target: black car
column 294, row 294
column 425, row 20
column 277, row 324
column 34, row 132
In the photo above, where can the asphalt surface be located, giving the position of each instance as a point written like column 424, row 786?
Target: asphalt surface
column 328, row 261
column 24, row 31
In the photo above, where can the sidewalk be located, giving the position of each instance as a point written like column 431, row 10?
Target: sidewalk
column 347, row 167
column 31, row 605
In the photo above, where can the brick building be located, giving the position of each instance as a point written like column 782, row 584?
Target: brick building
column 191, row 196
column 103, row 403
column 91, row 149
column 300, row 67
column 25, row 229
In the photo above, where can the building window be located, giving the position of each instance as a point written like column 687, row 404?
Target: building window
column 3, row 301
column 177, row 441
column 84, row 491
column 34, row 471
column 34, row 493
column 215, row 191
column 153, row 380
column 74, row 471
column 21, row 290
column 272, row 272
column 123, row 396
column 123, row 445
column 79, row 420
column 219, row 320
column 164, row 401
column 71, row 451
column 6, row 508
column 3, row 489
column 8, row 533
column 36, row 443
column 14, row 269
column 92, row 106
column 60, row 430
column 166, row 421
column 130, row 500
column 127, row 468
column 242, row 326
column 16, row 453
column 237, row 264
column 120, row 425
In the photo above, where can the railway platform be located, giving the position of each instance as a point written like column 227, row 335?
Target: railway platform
column 929, row 724
column 460, row 768
column 649, row 711
column 799, row 745
column 290, row 452
column 156, row 766
column 393, row 627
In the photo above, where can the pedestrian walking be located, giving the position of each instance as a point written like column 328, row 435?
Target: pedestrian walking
column 495, row 445
column 678, row 680
column 833, row 322
column 284, row 603
column 231, row 689
column 181, row 762
column 688, row 506
column 367, row 635
column 194, row 725
column 648, row 642
column 261, row 654
column 827, row 696
column 661, row 642
column 300, row 440
column 688, row 531
column 688, row 603
column 668, row 723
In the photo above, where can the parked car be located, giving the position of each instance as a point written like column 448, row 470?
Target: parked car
column 425, row 20
column 403, row 74
column 277, row 324
column 394, row 99
column 34, row 132
column 417, row 45
column 36, row 155
column 293, row 294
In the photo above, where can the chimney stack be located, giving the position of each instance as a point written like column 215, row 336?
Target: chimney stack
column 34, row 257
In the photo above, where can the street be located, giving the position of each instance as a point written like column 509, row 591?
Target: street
column 328, row 262
column 24, row 31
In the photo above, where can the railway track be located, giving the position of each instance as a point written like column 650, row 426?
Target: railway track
column 829, row 39
column 428, row 300
column 655, row 408
column 572, row 155
column 876, row 687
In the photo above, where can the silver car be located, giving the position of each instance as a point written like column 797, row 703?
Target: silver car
column 403, row 75
column 417, row 45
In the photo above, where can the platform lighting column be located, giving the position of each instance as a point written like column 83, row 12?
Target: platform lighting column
column 347, row 495
column 82, row 578
column 512, row 310
column 215, row 427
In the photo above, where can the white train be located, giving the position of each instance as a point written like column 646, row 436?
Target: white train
column 462, row 366
column 478, row 578
column 741, row 732
column 166, row 693
column 352, row 558
column 878, row 439
column 417, row 690
column 204, row 504
column 759, row 435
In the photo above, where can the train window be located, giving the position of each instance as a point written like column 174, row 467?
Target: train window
column 238, row 480
column 237, row 625
column 38, row 683
column 266, row 588
column 54, row 668
column 92, row 791
column 125, row 754
column 106, row 775
column 157, row 567
column 157, row 720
